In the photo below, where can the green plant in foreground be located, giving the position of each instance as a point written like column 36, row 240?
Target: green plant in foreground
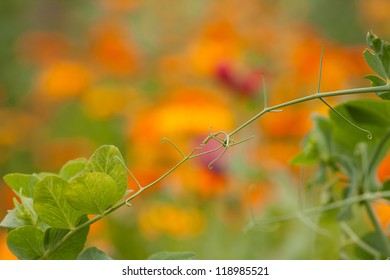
column 50, row 220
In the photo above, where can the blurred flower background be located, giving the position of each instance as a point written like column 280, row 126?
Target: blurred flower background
column 78, row 74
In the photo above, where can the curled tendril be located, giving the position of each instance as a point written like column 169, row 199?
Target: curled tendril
column 164, row 140
column 128, row 170
column 225, row 141
column 369, row 134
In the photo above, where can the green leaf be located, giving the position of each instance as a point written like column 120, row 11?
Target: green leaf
column 375, row 63
column 73, row 168
column 93, row 253
column 51, row 205
column 378, row 58
column 26, row 242
column 71, row 248
column 370, row 114
column 43, row 175
column 317, row 145
column 374, row 240
column 22, row 183
column 93, row 192
column 108, row 159
column 324, row 247
column 22, row 215
column 377, row 81
column 307, row 157
column 173, row 256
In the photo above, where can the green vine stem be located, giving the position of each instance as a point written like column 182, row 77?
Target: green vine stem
column 312, row 97
column 228, row 142
column 378, row 228
column 331, row 206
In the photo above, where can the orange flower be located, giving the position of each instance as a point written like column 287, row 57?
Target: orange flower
column 104, row 102
column 382, row 209
column 292, row 122
column 374, row 13
column 43, row 47
column 384, row 169
column 64, row 79
column 174, row 221
column 113, row 50
column 11, row 134
column 218, row 43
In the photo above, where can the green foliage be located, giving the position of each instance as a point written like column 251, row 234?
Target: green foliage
column 68, row 249
column 49, row 220
column 173, row 256
column 107, row 159
column 93, row 193
column 23, row 184
column 26, row 242
column 93, row 253
column 378, row 58
column 51, row 205
column 73, row 168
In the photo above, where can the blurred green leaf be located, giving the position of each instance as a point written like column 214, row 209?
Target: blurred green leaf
column 73, row 168
column 327, row 246
column 93, row 192
column 108, row 159
column 370, row 114
column 375, row 63
column 26, row 242
column 173, row 256
column 51, row 205
column 378, row 58
column 93, row 253
column 72, row 247
column 374, row 240
column 22, row 215
column 22, row 183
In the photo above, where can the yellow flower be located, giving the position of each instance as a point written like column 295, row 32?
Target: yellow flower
column 168, row 219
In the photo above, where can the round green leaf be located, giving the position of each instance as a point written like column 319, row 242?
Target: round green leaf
column 73, row 168
column 93, row 192
column 51, row 205
column 93, row 253
column 26, row 242
column 108, row 159
column 71, row 248
column 22, row 183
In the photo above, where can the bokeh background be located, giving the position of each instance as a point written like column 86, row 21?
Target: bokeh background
column 77, row 74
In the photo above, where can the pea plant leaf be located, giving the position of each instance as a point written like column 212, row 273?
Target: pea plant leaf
column 26, row 242
column 378, row 58
column 23, row 184
column 93, row 253
column 73, row 168
column 71, row 247
column 51, row 205
column 93, row 192
column 22, row 215
column 108, row 159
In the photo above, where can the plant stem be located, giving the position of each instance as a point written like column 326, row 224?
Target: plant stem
column 377, row 151
column 378, row 228
column 192, row 155
column 312, row 97
column 328, row 207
